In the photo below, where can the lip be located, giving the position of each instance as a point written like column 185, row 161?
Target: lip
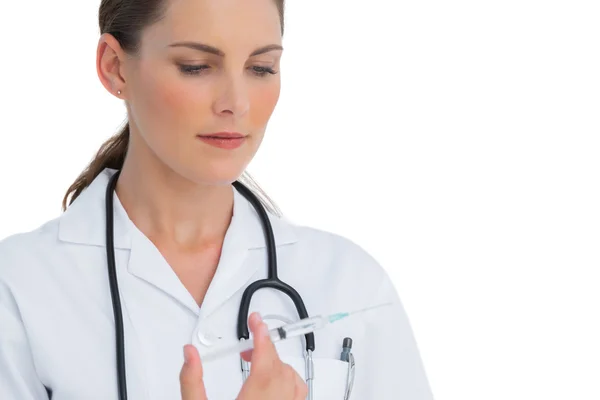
column 223, row 140
column 223, row 135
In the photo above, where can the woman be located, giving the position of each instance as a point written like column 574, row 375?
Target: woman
column 200, row 79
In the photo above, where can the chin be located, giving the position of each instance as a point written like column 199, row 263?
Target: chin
column 210, row 175
column 206, row 169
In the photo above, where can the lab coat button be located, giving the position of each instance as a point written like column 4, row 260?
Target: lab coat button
column 207, row 338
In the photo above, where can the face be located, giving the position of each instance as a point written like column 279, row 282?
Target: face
column 178, row 92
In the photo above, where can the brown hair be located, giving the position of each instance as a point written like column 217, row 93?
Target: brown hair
column 125, row 20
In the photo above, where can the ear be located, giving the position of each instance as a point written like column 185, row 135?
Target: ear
column 109, row 64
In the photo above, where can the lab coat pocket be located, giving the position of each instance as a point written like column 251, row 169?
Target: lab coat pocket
column 329, row 376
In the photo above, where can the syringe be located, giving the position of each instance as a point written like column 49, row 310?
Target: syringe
column 299, row 328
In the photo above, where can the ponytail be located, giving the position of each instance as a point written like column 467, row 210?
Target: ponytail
column 111, row 155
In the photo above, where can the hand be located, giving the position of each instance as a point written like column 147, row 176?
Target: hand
column 270, row 379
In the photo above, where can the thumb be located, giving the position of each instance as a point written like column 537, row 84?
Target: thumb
column 190, row 377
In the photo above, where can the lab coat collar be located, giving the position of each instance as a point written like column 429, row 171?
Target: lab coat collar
column 84, row 221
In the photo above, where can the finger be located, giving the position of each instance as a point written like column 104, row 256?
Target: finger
column 264, row 354
column 247, row 355
column 190, row 377
column 301, row 390
column 252, row 321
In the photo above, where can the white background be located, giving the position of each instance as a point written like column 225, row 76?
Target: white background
column 458, row 142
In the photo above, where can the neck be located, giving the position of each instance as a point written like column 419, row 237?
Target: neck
column 172, row 210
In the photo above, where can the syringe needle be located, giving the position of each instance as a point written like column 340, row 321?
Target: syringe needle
column 370, row 308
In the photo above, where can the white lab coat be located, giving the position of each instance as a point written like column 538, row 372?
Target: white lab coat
column 56, row 319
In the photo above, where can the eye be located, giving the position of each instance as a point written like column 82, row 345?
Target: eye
column 263, row 71
column 197, row 70
column 192, row 69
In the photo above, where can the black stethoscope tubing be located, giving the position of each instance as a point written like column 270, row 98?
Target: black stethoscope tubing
column 272, row 281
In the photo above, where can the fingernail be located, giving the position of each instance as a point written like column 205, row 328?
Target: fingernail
column 186, row 356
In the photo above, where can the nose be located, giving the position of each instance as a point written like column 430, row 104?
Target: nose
column 232, row 98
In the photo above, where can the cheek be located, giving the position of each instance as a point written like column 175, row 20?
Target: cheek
column 172, row 100
column 264, row 100
column 168, row 109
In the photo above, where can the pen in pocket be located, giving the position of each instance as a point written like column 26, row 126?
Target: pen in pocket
column 348, row 357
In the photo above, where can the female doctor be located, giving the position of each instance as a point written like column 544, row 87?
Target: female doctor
column 200, row 80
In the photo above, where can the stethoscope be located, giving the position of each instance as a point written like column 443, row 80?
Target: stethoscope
column 272, row 281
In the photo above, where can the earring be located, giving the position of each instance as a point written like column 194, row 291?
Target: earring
column 118, row 92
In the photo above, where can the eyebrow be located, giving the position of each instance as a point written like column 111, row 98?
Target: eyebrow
column 213, row 50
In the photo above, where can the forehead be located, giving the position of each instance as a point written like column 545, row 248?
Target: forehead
column 233, row 24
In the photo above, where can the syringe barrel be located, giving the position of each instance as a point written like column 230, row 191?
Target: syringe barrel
column 302, row 327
